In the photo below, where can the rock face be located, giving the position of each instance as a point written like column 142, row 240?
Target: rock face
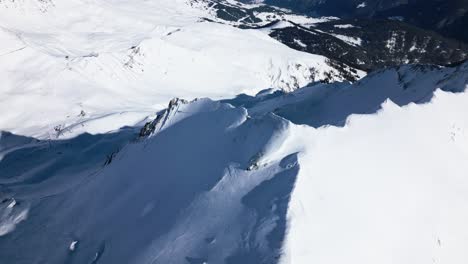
column 161, row 118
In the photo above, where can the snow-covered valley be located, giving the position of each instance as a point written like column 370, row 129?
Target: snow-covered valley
column 269, row 156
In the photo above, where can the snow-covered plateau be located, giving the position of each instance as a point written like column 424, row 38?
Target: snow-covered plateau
column 262, row 161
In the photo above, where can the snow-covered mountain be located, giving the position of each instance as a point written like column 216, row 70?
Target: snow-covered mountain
column 80, row 66
column 176, row 131
column 375, row 170
column 363, row 43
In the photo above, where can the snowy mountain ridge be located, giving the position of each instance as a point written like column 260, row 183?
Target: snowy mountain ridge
column 89, row 66
column 182, row 132
column 268, row 199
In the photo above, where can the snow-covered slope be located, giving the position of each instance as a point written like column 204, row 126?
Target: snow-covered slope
column 82, row 63
column 275, row 178
column 387, row 188
column 94, row 168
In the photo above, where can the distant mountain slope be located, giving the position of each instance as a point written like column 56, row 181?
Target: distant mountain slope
column 363, row 43
column 451, row 19
column 446, row 17
column 372, row 44
column 282, row 193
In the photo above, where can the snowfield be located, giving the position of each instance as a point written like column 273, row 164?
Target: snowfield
column 263, row 163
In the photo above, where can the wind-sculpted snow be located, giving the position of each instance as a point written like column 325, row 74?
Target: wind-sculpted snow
column 332, row 104
column 217, row 182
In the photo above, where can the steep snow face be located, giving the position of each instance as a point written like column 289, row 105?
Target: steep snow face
column 232, row 182
column 97, row 66
column 175, row 197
